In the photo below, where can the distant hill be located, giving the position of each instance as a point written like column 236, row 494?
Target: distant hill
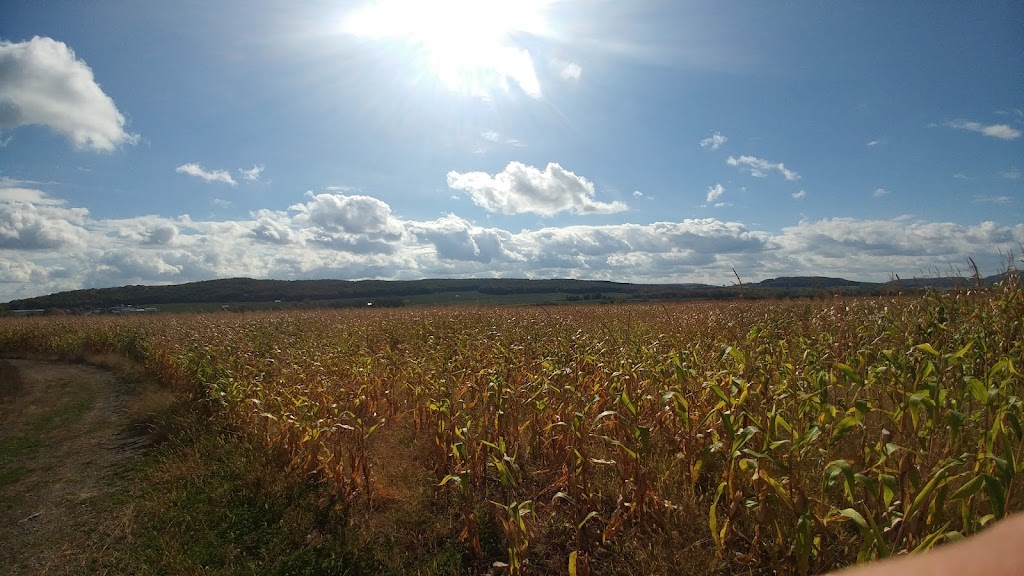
column 813, row 282
column 395, row 292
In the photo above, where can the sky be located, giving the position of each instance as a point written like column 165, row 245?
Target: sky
column 643, row 141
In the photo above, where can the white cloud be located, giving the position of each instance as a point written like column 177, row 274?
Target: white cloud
column 352, row 214
column 873, row 143
column 349, row 223
column 456, row 239
column 20, row 272
column 1001, row 200
column 715, row 141
column 715, row 192
column 759, row 167
column 569, row 70
column 1001, row 131
column 49, row 248
column 638, row 194
column 879, row 192
column 495, row 137
column 27, row 226
column 253, row 174
column 1011, row 174
column 274, row 227
column 905, row 245
column 961, row 176
column 221, row 203
column 30, row 195
column 193, row 169
column 142, row 230
column 43, row 82
column 800, row 195
column 523, row 189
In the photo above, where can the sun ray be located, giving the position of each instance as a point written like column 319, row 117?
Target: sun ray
column 468, row 45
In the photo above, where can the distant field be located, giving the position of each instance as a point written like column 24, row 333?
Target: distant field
column 469, row 298
column 703, row 438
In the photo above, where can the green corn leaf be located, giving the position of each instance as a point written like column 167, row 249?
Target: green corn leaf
column 713, row 519
column 856, row 517
column 849, row 372
column 586, row 519
column 837, row 468
column 970, row 488
column 977, row 390
column 842, row 427
column 963, row 351
column 996, row 495
column 931, row 540
column 922, row 497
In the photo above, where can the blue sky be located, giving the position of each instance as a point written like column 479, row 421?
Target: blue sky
column 150, row 143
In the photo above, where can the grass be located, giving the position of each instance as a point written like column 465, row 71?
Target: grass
column 208, row 501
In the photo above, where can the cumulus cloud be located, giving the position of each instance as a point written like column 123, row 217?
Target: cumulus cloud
column 800, row 195
column 914, row 243
column 456, row 239
column 1001, row 131
column 26, row 226
column 142, row 230
column 17, row 272
column 47, row 248
column 253, row 174
column 42, row 82
column 759, row 167
column 274, row 230
column 350, row 223
column 714, row 141
column 714, row 193
column 521, row 189
column 352, row 214
column 132, row 264
column 193, row 169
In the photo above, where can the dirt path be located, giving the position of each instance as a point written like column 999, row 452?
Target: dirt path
column 64, row 442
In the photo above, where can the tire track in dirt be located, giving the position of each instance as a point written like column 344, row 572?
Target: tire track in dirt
column 65, row 439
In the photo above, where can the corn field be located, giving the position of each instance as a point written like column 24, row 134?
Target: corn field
column 714, row 437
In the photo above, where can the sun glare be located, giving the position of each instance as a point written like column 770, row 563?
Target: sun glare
column 468, row 45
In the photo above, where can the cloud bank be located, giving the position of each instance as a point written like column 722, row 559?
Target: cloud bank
column 48, row 246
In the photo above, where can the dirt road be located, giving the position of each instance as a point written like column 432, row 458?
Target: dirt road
column 65, row 443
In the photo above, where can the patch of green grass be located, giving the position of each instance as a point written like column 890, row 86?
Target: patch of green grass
column 66, row 412
column 15, row 448
column 206, row 501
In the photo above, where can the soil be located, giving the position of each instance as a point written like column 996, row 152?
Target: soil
column 65, row 442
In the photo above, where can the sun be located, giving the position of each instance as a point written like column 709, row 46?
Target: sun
column 468, row 45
